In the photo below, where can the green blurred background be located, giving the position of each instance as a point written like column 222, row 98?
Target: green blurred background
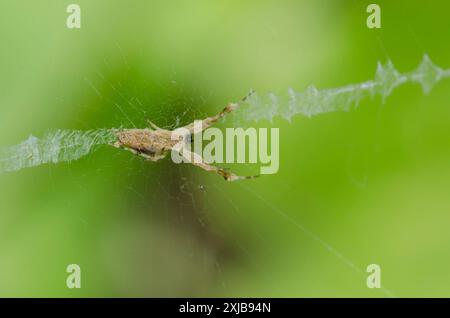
column 372, row 183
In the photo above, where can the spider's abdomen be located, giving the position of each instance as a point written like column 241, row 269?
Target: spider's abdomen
column 151, row 142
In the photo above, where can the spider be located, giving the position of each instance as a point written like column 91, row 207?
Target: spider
column 154, row 143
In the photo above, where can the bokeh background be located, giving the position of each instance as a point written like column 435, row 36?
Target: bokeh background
column 367, row 186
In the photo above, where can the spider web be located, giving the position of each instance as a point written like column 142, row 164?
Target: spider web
column 189, row 202
column 67, row 145
column 314, row 102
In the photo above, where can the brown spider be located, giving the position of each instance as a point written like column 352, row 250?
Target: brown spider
column 155, row 143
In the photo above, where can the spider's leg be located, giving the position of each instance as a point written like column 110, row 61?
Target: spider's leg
column 252, row 91
column 197, row 160
column 153, row 125
column 209, row 121
column 151, row 157
column 140, row 153
column 120, row 146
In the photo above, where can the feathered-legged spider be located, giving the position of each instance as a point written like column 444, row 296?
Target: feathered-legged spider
column 154, row 143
